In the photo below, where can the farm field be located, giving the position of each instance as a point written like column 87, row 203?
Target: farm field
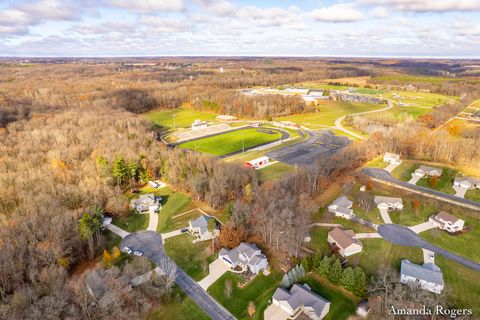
column 418, row 99
column 229, row 142
column 328, row 112
column 183, row 117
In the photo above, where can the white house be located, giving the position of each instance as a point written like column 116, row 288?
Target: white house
column 345, row 242
column 199, row 124
column 342, row 207
column 428, row 277
column 246, row 255
column 300, row 299
column 391, row 158
column 426, row 171
column 388, row 203
column 467, row 182
column 146, row 202
column 446, row 221
column 199, row 228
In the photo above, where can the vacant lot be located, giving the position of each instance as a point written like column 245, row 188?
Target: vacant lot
column 180, row 308
column 260, row 290
column 232, row 141
column 183, row 118
column 188, row 255
column 328, row 112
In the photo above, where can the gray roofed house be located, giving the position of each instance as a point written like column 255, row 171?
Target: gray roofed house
column 199, row 228
column 428, row 276
column 388, row 203
column 300, row 299
column 146, row 202
column 467, row 182
column 426, row 171
column 246, row 255
column 342, row 207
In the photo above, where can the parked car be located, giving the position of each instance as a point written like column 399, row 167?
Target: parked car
column 184, row 230
column 127, row 250
column 138, row 253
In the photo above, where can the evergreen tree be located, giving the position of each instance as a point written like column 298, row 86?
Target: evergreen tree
column 335, row 271
column 294, row 275
column 347, row 279
column 301, row 271
column 360, row 288
column 323, row 268
column 306, row 263
column 316, row 259
column 291, row 280
column 285, row 281
column 119, row 170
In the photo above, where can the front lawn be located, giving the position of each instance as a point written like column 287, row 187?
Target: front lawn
column 444, row 183
column 260, row 290
column 473, row 195
column 404, row 170
column 180, row 308
column 376, row 163
column 188, row 255
column 133, row 222
column 343, row 303
column 232, row 141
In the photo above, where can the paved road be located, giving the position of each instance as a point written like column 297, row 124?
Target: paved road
column 405, row 237
column 338, row 122
column 151, row 244
column 386, row 177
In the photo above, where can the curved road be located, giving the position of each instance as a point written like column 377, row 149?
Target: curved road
column 150, row 243
column 403, row 236
column 386, row 177
column 338, row 122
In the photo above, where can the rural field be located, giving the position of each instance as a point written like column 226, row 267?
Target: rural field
column 232, row 141
column 328, row 112
column 183, row 117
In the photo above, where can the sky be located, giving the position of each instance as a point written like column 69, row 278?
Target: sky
column 374, row 28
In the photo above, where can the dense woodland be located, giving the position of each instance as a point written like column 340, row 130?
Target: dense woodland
column 71, row 142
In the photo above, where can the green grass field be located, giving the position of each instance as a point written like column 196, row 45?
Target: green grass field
column 473, row 195
column 188, row 255
column 133, row 222
column 231, row 141
column 274, row 171
column 329, row 111
column 418, row 99
column 259, row 290
column 183, row 117
column 180, row 308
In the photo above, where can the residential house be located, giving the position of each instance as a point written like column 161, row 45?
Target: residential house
column 446, row 221
column 345, row 241
column 428, row 276
column 157, row 184
column 246, row 255
column 388, row 203
column 342, row 207
column 199, row 124
column 146, row 202
column 199, row 228
column 391, row 158
column 299, row 299
column 467, row 182
column 363, row 309
column 426, row 171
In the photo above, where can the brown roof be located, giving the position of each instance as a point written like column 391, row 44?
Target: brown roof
column 343, row 238
column 446, row 217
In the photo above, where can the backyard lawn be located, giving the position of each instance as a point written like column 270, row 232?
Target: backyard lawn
column 133, row 222
column 328, row 112
column 183, row 117
column 232, row 141
column 188, row 255
column 260, row 290
column 343, row 302
column 176, row 203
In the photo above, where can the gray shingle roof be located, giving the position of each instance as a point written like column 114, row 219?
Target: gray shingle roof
column 342, row 201
column 430, row 273
column 301, row 296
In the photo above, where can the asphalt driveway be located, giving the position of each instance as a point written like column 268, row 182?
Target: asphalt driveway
column 403, row 236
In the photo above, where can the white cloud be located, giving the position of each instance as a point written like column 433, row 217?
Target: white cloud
column 148, row 5
column 290, row 17
column 51, row 10
column 380, row 12
column 219, row 7
column 13, row 17
column 342, row 12
column 427, row 5
column 161, row 24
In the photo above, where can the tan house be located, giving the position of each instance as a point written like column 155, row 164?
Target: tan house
column 447, row 222
column 345, row 241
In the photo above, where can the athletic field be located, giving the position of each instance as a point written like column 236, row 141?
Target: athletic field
column 232, row 141
column 183, row 117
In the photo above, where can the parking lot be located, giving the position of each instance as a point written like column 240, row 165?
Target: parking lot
column 320, row 143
